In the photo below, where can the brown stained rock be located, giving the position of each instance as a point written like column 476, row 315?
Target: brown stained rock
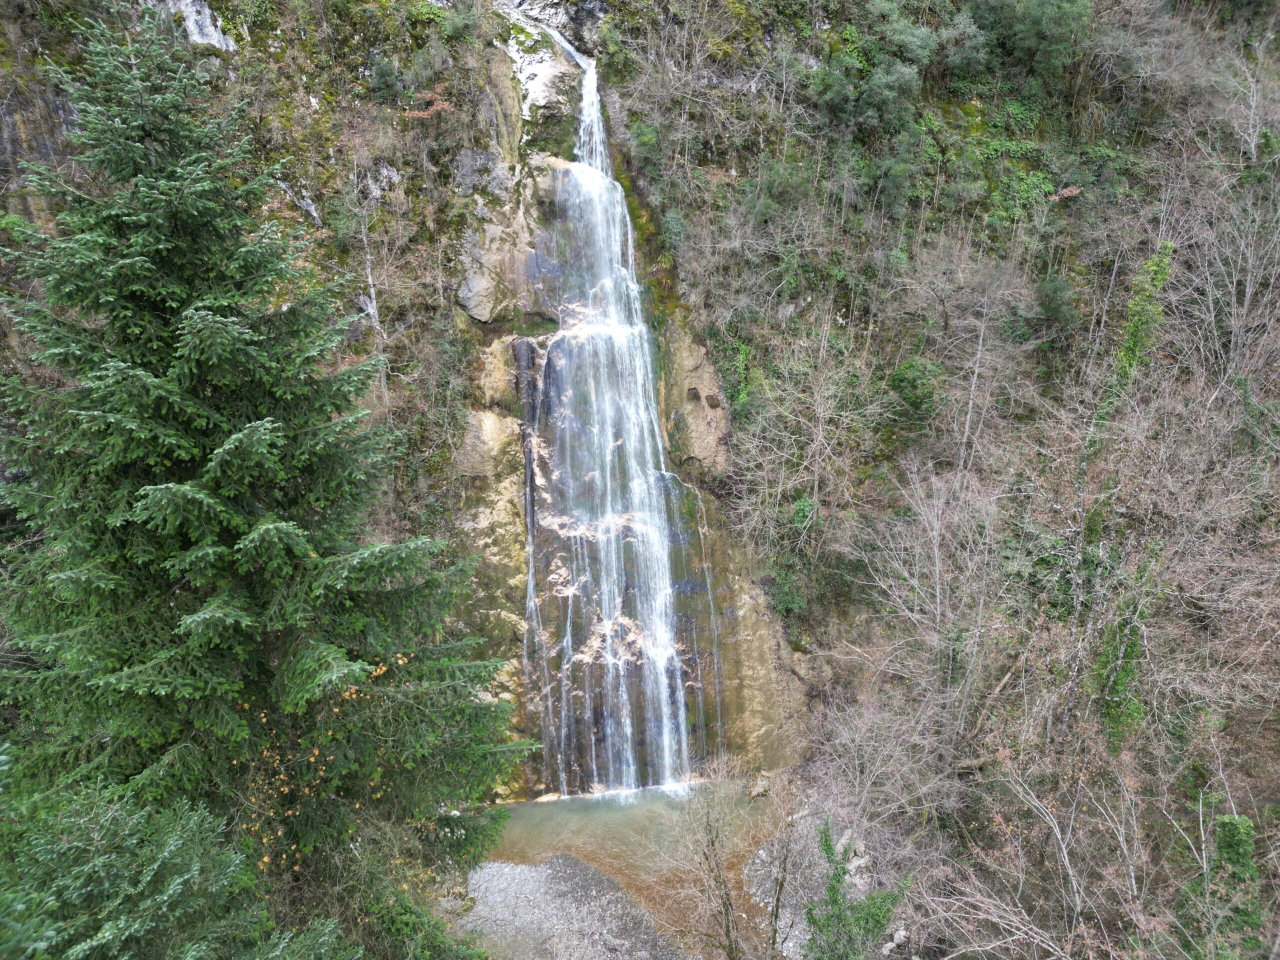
column 764, row 699
column 697, row 428
column 491, row 520
column 490, row 446
column 497, row 378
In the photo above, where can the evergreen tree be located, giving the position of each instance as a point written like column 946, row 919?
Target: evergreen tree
column 100, row 876
column 201, row 615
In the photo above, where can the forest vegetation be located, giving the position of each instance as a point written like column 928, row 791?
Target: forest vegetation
column 992, row 289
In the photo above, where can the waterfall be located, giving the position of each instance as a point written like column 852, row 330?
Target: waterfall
column 618, row 581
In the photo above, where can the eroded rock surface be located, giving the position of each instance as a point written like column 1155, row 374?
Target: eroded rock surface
column 203, row 25
column 510, row 269
column 492, row 519
column 697, row 419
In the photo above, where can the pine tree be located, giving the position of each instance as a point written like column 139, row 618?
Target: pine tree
column 92, row 874
column 200, row 613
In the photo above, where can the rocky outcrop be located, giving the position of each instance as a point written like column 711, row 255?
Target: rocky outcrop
column 510, row 272
column 204, row 27
column 764, row 698
column 34, row 122
column 796, row 856
column 490, row 461
column 548, row 78
column 579, row 20
column 696, row 417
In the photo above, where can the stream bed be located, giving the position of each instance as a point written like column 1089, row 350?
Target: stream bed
column 601, row 875
column 581, row 877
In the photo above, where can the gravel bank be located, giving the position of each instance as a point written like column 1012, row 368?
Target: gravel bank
column 559, row 909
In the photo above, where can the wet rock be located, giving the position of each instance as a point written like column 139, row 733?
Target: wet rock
column 203, row 25
column 551, row 13
column 579, row 21
column 549, row 80
column 560, row 909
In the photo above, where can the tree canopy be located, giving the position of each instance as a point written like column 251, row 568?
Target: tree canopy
column 198, row 611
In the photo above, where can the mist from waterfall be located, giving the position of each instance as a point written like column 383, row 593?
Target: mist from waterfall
column 617, row 585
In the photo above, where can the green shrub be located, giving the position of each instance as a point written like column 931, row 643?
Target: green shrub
column 963, row 46
column 423, row 11
column 1144, row 316
column 916, row 385
column 1057, row 309
column 239, row 15
column 888, row 98
column 786, row 591
column 1221, row 912
column 1040, row 36
column 1054, row 317
column 458, row 22
column 779, row 189
column 385, row 84
column 840, row 927
column 1115, row 673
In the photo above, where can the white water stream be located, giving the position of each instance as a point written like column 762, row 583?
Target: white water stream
column 617, row 585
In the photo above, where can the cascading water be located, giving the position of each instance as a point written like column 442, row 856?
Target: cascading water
column 615, row 661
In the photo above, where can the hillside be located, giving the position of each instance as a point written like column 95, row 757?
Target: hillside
column 965, row 327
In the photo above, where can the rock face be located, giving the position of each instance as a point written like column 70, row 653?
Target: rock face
column 763, row 698
column 203, row 25
column 511, row 272
column 560, row 909
column 534, row 87
column 751, row 703
column 547, row 77
column 696, row 417
column 34, row 122
column 491, row 517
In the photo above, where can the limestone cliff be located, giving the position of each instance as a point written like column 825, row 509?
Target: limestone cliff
column 508, row 294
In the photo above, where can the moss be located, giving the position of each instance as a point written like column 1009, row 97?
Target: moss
column 656, row 264
column 555, row 133
column 522, row 324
